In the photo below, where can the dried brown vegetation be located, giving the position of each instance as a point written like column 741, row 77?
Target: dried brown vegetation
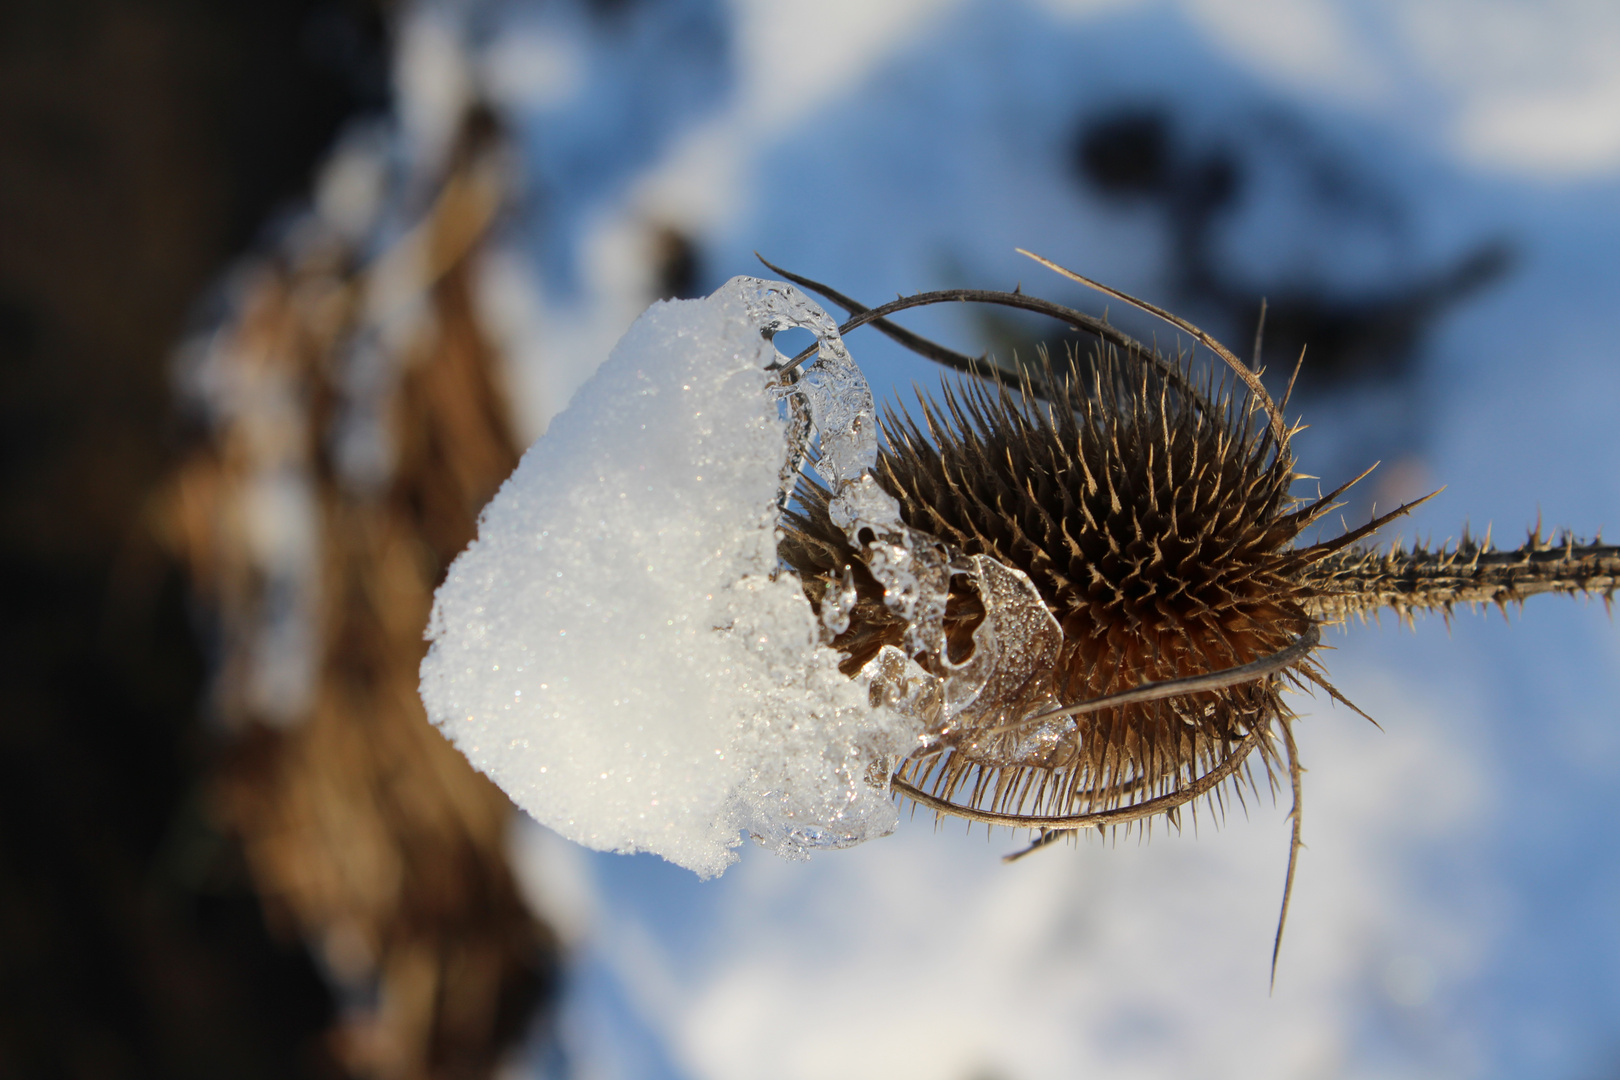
column 365, row 831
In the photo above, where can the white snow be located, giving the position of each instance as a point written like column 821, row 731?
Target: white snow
column 618, row 652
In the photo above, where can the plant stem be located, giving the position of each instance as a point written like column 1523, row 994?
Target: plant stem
column 1365, row 582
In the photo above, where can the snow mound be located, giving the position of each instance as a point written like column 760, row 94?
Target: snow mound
column 617, row 650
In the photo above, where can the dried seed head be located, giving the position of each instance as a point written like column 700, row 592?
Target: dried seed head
column 1154, row 519
column 1152, row 515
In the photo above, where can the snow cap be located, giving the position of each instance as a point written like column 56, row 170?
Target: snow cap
column 618, row 650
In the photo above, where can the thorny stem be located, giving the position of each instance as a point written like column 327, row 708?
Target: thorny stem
column 1361, row 583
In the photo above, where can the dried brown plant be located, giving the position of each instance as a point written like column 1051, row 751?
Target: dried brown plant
column 1153, row 511
column 365, row 832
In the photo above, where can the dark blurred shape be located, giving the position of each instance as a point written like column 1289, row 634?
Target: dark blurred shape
column 358, row 394
column 19, row 332
column 1126, row 153
column 1133, row 153
column 613, row 9
column 1349, row 339
column 677, row 270
column 143, row 144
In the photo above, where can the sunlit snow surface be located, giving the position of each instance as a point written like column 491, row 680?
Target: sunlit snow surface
column 616, row 649
column 1455, row 914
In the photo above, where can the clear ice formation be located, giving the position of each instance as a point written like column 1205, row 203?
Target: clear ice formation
column 1013, row 648
column 620, row 649
column 831, row 386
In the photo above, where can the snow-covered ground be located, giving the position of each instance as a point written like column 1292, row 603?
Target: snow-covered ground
column 1458, row 908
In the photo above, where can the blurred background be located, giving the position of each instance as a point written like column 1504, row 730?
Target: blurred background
column 287, row 286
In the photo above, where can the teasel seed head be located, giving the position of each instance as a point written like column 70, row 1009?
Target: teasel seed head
column 1156, row 523
column 1152, row 512
column 1151, row 509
